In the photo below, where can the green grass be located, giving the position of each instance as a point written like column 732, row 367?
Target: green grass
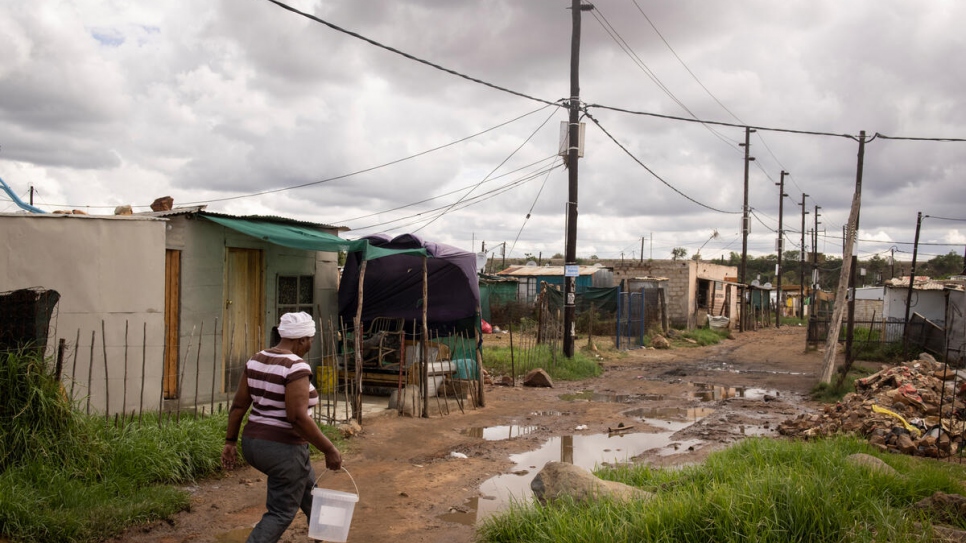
column 763, row 490
column 74, row 478
column 704, row 336
column 497, row 361
column 867, row 345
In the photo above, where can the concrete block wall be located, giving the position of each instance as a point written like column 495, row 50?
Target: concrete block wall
column 682, row 282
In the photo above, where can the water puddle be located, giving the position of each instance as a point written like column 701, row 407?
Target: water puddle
column 546, row 413
column 705, row 392
column 585, row 451
column 499, row 433
column 463, row 515
column 591, row 396
column 682, row 414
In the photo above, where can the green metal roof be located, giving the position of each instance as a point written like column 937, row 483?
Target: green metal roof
column 302, row 237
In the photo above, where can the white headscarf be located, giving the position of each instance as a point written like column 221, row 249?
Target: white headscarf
column 296, row 325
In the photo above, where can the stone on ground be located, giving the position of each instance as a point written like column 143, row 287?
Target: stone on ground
column 537, row 378
column 559, row 479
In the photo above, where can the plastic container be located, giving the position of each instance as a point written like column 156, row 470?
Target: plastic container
column 332, row 513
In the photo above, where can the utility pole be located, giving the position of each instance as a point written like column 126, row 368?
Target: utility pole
column 570, row 257
column 642, row 249
column 801, row 270
column 893, row 250
column 31, row 195
column 831, row 345
column 780, row 246
column 912, row 280
column 814, row 258
column 744, row 209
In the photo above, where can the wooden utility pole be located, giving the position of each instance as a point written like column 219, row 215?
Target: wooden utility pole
column 744, row 210
column 813, row 259
column 779, row 247
column 912, row 280
column 570, row 256
column 832, row 342
column 801, row 268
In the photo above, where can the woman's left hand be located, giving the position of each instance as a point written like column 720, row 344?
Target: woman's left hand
column 229, row 456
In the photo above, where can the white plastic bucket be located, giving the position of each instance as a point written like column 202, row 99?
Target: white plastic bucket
column 332, row 513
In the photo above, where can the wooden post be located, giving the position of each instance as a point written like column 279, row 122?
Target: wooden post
column 144, row 358
column 853, row 226
column 73, row 371
column 214, row 363
column 124, row 395
column 61, row 347
column 481, row 399
column 357, row 345
column 107, row 384
column 201, row 336
column 425, row 334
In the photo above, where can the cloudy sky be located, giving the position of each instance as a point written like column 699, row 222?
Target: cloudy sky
column 253, row 109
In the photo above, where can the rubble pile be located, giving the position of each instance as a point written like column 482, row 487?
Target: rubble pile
column 898, row 410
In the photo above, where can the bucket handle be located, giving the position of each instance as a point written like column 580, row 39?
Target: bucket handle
column 346, row 472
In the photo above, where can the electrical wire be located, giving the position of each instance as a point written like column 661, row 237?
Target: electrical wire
column 418, row 217
column 372, row 168
column 534, row 204
column 454, row 191
column 500, row 165
column 650, row 171
column 636, row 59
column 411, row 57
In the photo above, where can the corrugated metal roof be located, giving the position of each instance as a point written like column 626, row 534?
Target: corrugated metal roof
column 540, row 271
column 190, row 210
column 187, row 210
column 921, row 283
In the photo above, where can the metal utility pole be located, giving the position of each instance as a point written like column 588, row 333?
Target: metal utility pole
column 779, row 247
column 744, row 209
column 912, row 280
column 831, row 344
column 570, row 256
column 801, row 271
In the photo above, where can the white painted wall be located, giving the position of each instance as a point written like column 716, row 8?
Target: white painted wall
column 107, row 269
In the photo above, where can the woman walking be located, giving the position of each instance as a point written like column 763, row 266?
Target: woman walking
column 276, row 385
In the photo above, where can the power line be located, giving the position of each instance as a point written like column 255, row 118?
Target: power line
column 366, row 170
column 650, row 171
column 464, row 204
column 515, row 151
column 530, row 211
column 719, row 123
column 454, row 191
column 411, row 57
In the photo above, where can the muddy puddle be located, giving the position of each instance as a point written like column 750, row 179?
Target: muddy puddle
column 619, row 445
column 707, row 393
column 499, row 433
column 586, row 451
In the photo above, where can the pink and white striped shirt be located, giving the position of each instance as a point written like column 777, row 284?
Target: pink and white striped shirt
column 268, row 372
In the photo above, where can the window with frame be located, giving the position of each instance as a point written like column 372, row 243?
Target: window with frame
column 294, row 294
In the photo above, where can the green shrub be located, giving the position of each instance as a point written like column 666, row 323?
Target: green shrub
column 497, row 360
column 70, row 477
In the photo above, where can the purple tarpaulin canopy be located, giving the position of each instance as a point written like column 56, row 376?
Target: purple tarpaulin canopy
column 394, row 284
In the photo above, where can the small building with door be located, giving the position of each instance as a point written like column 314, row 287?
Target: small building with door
column 162, row 309
column 695, row 289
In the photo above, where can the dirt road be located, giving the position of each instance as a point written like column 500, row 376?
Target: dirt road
column 676, row 406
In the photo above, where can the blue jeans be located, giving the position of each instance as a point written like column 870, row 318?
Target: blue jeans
column 290, row 482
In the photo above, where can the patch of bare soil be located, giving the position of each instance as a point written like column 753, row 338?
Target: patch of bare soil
column 408, row 478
